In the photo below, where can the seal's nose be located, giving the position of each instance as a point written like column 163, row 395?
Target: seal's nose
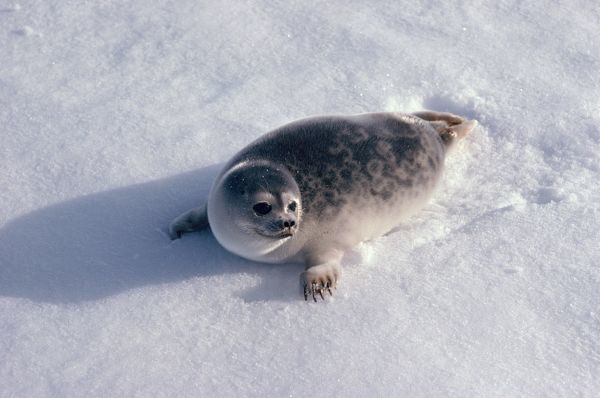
column 289, row 223
column 286, row 228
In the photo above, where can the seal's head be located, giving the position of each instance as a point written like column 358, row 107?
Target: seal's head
column 254, row 208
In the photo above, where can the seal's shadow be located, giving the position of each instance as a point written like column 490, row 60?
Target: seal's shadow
column 103, row 244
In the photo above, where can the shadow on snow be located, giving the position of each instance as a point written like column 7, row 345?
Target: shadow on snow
column 103, row 244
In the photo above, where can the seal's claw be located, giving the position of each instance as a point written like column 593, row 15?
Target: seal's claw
column 313, row 289
column 318, row 279
column 328, row 287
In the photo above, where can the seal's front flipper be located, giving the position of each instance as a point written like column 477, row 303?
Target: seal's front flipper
column 192, row 220
column 320, row 277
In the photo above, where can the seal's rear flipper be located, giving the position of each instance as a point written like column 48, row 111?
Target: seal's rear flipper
column 461, row 130
column 431, row 116
column 451, row 127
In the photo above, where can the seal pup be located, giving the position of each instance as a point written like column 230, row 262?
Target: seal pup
column 313, row 188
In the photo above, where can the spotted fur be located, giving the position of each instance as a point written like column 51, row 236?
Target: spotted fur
column 336, row 158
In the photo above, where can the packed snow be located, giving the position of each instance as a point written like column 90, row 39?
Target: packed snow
column 116, row 116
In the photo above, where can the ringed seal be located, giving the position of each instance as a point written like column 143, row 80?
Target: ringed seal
column 313, row 188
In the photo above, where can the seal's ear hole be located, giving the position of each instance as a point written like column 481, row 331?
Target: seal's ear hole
column 292, row 206
column 262, row 208
column 242, row 192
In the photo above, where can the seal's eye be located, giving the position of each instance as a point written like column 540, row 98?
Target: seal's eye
column 262, row 208
column 292, row 206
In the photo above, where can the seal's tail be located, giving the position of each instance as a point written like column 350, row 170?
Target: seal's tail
column 452, row 128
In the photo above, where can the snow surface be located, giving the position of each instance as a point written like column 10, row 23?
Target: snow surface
column 115, row 118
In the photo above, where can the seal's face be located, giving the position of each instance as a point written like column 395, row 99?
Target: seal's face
column 255, row 209
column 274, row 213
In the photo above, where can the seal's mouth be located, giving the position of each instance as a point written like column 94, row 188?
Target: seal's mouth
column 281, row 235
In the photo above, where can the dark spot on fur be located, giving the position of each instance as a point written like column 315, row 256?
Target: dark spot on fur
column 346, row 175
column 386, row 194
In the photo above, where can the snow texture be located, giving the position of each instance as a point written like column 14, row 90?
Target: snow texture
column 116, row 116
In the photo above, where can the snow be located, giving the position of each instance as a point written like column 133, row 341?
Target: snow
column 116, row 116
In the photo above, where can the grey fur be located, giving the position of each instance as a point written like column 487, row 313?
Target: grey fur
column 336, row 159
